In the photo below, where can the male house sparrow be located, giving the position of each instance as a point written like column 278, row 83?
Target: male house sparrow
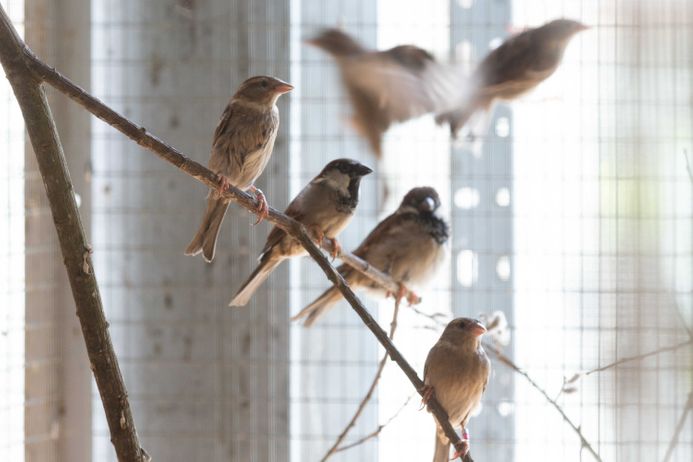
column 242, row 146
column 408, row 245
column 456, row 372
column 518, row 65
column 325, row 206
column 385, row 86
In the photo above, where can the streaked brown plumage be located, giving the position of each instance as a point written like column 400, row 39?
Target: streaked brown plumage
column 325, row 207
column 242, row 146
column 456, row 373
column 408, row 245
column 386, row 86
column 518, row 65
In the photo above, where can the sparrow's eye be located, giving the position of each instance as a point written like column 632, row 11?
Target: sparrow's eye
column 264, row 83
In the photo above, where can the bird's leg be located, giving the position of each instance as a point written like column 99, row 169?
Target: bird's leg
column 428, row 393
column 262, row 209
column 465, row 445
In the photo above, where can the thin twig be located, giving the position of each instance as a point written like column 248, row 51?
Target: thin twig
column 508, row 362
column 371, row 389
column 74, row 247
column 639, row 357
column 688, row 165
column 679, row 427
column 377, row 431
column 207, row 177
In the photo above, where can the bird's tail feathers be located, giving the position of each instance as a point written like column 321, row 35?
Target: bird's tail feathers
column 255, row 280
column 205, row 240
column 321, row 305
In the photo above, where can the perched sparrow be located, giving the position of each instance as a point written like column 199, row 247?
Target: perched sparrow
column 386, row 86
column 456, row 373
column 243, row 143
column 325, row 206
column 518, row 65
column 408, row 245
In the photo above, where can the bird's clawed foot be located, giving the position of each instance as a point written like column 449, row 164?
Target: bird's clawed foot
column 224, row 183
column 263, row 208
column 403, row 292
column 465, row 446
column 336, row 248
column 428, row 393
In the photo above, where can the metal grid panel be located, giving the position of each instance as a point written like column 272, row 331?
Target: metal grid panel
column 206, row 382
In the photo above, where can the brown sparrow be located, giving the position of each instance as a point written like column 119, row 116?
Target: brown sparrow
column 518, row 65
column 408, row 245
column 325, row 207
column 456, row 373
column 242, row 146
column 386, row 86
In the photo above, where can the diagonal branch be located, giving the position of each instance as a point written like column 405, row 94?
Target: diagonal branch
column 73, row 243
column 378, row 430
column 679, row 427
column 508, row 362
column 369, row 394
column 639, row 357
column 200, row 173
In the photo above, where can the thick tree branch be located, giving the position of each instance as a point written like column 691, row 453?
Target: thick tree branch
column 369, row 394
column 73, row 243
column 205, row 176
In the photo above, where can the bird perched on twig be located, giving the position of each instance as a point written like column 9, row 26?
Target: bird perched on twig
column 242, row 146
column 518, row 65
column 408, row 245
column 456, row 373
column 386, row 86
column 325, row 207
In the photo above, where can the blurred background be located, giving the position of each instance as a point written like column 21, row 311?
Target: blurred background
column 572, row 214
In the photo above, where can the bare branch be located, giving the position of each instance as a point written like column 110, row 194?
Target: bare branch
column 679, row 428
column 369, row 393
column 73, row 243
column 688, row 165
column 508, row 362
column 639, row 357
column 205, row 176
column 377, row 431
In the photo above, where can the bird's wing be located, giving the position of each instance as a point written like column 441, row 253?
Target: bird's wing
column 379, row 236
column 293, row 210
column 401, row 83
column 241, row 131
column 513, row 60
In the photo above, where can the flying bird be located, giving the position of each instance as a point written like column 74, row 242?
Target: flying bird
column 387, row 86
column 518, row 65
column 242, row 146
column 408, row 245
column 325, row 207
column 456, row 373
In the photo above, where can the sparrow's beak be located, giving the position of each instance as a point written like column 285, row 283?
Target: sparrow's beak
column 362, row 170
column 581, row 27
column 310, row 41
column 283, row 87
column 427, row 205
column 477, row 329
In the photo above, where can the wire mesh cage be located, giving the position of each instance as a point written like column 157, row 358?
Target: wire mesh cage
column 571, row 213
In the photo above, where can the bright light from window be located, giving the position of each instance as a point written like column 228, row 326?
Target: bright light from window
column 11, row 264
